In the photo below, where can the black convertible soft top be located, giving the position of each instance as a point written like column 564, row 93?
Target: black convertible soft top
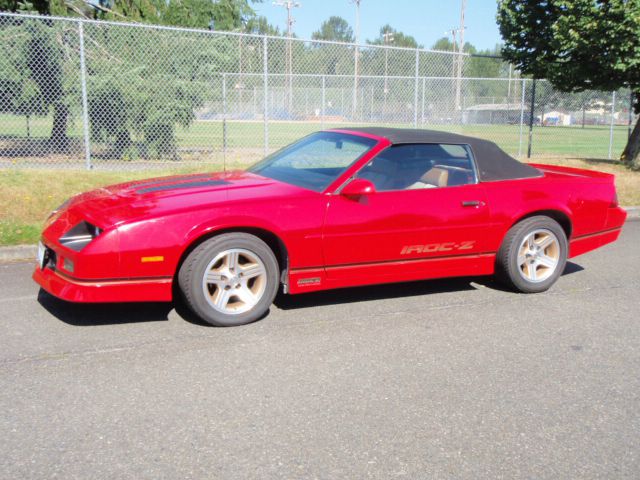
column 492, row 162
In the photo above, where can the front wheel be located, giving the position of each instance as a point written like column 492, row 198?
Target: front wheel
column 533, row 255
column 230, row 279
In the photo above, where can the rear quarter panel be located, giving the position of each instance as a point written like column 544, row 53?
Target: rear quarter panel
column 585, row 200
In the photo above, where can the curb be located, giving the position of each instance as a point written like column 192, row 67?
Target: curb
column 632, row 212
column 18, row 252
column 28, row 252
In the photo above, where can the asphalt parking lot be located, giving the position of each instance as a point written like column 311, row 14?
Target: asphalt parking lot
column 439, row 379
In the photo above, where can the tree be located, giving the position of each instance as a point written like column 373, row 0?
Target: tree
column 126, row 110
column 443, row 44
column 221, row 15
column 399, row 39
column 577, row 45
column 40, row 6
column 333, row 59
column 336, row 29
column 218, row 14
column 259, row 25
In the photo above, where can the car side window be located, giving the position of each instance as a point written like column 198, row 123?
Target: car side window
column 418, row 166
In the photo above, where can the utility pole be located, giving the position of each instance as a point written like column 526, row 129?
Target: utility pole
column 463, row 6
column 289, row 5
column 355, row 60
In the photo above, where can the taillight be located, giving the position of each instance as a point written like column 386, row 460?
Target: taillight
column 614, row 202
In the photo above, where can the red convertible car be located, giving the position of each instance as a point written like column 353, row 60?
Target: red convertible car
column 335, row 209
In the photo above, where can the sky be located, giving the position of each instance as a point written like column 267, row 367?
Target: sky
column 426, row 20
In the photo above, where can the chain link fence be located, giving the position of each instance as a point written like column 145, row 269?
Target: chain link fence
column 77, row 93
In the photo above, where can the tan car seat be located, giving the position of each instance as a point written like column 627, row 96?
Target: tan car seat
column 435, row 177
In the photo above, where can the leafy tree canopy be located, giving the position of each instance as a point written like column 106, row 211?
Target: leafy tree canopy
column 577, row 45
column 336, row 29
column 219, row 14
column 443, row 44
column 259, row 25
column 399, row 39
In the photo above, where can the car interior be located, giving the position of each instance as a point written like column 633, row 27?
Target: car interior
column 412, row 167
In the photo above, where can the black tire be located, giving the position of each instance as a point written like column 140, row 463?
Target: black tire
column 508, row 269
column 193, row 269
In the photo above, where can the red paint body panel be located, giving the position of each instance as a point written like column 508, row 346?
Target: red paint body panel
column 331, row 240
column 156, row 290
column 376, row 228
column 392, row 272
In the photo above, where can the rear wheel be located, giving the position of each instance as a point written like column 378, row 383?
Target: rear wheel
column 533, row 255
column 230, row 279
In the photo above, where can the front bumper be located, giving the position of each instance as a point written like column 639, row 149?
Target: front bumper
column 98, row 291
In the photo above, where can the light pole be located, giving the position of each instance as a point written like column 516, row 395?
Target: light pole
column 356, row 55
column 453, row 32
column 289, row 4
column 454, row 60
column 460, row 50
column 387, row 39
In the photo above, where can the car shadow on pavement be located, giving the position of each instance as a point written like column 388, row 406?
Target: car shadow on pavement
column 492, row 283
column 94, row 314
column 372, row 292
column 571, row 267
column 395, row 290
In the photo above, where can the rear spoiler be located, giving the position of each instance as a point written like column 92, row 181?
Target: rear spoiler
column 578, row 172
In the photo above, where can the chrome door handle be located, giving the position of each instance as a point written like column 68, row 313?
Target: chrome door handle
column 473, row 203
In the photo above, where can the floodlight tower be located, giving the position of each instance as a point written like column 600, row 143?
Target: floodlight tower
column 463, row 6
column 355, row 60
column 454, row 64
column 289, row 5
column 387, row 38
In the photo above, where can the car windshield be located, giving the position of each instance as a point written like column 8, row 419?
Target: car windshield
column 314, row 161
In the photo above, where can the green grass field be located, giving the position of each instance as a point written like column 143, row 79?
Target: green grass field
column 588, row 142
column 206, row 138
column 28, row 195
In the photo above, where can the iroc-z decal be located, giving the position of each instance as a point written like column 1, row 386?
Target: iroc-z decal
column 438, row 247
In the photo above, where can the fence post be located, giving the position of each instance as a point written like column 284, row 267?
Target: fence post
column 323, row 101
column 371, row 105
column 613, row 110
column 415, row 90
column 630, row 114
column 355, row 83
column 224, row 121
column 85, row 105
column 265, row 107
column 521, row 119
column 423, row 89
column 533, row 105
column 255, row 96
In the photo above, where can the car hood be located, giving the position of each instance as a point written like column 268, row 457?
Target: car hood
column 115, row 204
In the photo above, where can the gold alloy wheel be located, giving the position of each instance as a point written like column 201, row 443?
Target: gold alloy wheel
column 538, row 255
column 234, row 281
